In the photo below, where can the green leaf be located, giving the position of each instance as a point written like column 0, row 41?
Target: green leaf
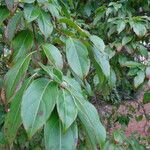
column 66, row 108
column 45, row 24
column 102, row 60
column 88, row 115
column 22, row 43
column 98, row 42
column 54, row 73
column 126, row 40
column 31, row 12
column 4, row 13
column 9, row 4
column 42, row 1
column 109, row 146
column 53, row 54
column 27, row 1
column 139, row 29
column 90, row 120
column 15, row 75
column 113, row 78
column 131, row 64
column 73, row 86
column 139, row 79
column 53, row 10
column 65, row 9
column 37, row 104
column 121, row 26
column 13, row 118
column 77, row 57
column 146, row 98
column 12, row 25
column 56, row 139
column 74, row 25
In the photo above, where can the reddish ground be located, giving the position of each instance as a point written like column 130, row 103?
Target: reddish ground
column 133, row 108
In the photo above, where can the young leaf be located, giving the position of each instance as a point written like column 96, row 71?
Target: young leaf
column 56, row 139
column 15, row 75
column 31, row 12
column 45, row 24
column 37, row 104
column 98, row 42
column 77, row 56
column 53, row 54
column 12, row 25
column 22, row 43
column 66, row 108
column 138, row 80
column 4, row 14
column 13, row 118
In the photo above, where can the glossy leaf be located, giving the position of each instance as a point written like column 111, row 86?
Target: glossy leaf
column 13, row 118
column 31, row 12
column 39, row 99
column 15, row 75
column 77, row 57
column 53, row 54
column 56, row 139
column 22, row 43
column 98, row 42
column 12, row 25
column 66, row 108
column 45, row 24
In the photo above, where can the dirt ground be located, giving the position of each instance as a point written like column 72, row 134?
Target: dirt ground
column 129, row 109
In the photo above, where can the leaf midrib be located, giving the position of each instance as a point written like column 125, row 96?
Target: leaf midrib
column 39, row 105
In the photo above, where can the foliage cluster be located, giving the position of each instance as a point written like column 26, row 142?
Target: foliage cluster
column 55, row 54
